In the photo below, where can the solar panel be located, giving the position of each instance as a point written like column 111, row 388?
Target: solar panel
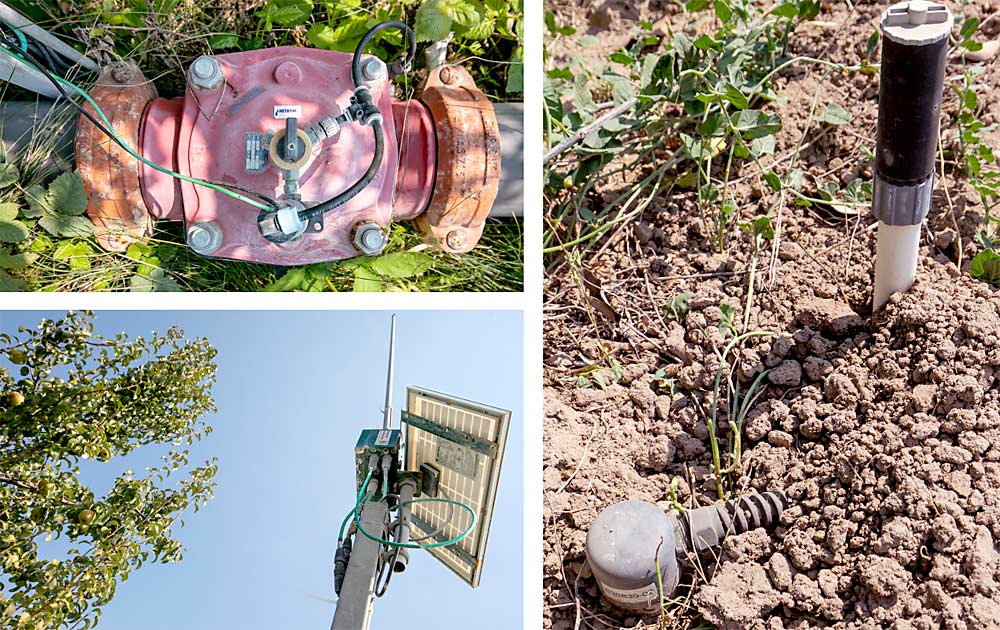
column 459, row 446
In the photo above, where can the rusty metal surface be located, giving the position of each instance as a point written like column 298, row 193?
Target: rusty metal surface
column 110, row 175
column 468, row 159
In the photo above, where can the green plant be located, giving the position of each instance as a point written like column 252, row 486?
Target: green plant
column 71, row 395
column 736, row 421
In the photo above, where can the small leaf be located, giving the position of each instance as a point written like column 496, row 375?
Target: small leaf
column 835, row 115
column 986, row 267
column 969, row 28
column 366, row 280
column 157, row 280
column 432, row 23
column 67, row 195
column 62, row 225
column 8, row 211
column 753, row 123
column 321, row 36
column 787, row 10
column 75, row 253
column 8, row 174
column 37, row 202
column 223, row 40
column 401, row 264
column 16, row 261
column 773, row 181
column 737, row 98
column 9, row 283
column 515, row 73
column 13, row 231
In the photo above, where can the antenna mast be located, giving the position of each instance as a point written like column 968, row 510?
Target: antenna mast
column 387, row 418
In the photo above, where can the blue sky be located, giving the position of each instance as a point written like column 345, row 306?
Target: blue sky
column 294, row 391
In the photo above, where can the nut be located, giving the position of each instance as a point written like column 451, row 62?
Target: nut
column 206, row 73
column 369, row 238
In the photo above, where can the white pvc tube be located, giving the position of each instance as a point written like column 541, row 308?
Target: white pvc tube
column 895, row 260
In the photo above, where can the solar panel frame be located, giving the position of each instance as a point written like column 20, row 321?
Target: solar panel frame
column 441, row 419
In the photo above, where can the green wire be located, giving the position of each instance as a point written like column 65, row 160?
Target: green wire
column 20, row 36
column 357, row 521
column 132, row 152
column 445, row 543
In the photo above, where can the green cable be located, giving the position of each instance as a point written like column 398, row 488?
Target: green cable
column 132, row 152
column 20, row 36
column 390, row 543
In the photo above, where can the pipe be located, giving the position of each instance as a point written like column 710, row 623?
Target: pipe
column 22, row 120
column 914, row 50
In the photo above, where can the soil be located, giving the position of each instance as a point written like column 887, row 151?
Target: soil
column 883, row 431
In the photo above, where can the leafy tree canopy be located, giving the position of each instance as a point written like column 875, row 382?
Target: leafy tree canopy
column 66, row 395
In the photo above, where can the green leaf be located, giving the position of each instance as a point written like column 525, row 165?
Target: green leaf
column 157, row 280
column 62, row 225
column 762, row 146
column 9, row 283
column 401, row 264
column 67, row 195
column 692, row 6
column 735, row 97
column 723, row 11
column 773, row 181
column 432, row 23
column 8, row 174
column 37, row 202
column 13, row 231
column 321, row 36
column 986, row 267
column 289, row 12
column 753, row 123
column 310, row 278
column 366, row 280
column 16, row 261
column 786, row 10
column 8, row 211
column 75, row 253
column 969, row 28
column 223, row 40
column 515, row 73
column 835, row 115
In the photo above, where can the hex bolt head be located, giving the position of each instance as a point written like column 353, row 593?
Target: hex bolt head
column 206, row 73
column 369, row 239
column 204, row 237
column 373, row 69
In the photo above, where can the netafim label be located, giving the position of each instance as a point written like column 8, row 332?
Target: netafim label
column 287, row 111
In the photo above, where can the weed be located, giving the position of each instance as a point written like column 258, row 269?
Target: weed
column 678, row 307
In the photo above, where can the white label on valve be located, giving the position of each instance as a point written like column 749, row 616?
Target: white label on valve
column 383, row 437
column 646, row 596
column 287, row 111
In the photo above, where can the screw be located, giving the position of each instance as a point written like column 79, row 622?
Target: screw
column 447, row 76
column 456, row 239
column 121, row 73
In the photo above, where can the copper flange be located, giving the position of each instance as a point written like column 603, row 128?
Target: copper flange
column 110, row 175
column 468, row 159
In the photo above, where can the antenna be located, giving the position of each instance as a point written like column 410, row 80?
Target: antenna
column 387, row 418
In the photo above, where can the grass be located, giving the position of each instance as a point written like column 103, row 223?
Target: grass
column 163, row 36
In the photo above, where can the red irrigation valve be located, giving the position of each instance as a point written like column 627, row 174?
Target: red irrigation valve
column 289, row 124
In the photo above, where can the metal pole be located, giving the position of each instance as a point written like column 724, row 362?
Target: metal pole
column 354, row 606
column 387, row 418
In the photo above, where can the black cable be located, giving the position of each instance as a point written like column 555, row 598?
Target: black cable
column 38, row 65
column 352, row 192
column 375, row 30
column 380, row 590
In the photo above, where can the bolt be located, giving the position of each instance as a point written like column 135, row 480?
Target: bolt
column 456, row 239
column 369, row 239
column 447, row 76
column 204, row 237
column 206, row 73
column 121, row 73
column 373, row 70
